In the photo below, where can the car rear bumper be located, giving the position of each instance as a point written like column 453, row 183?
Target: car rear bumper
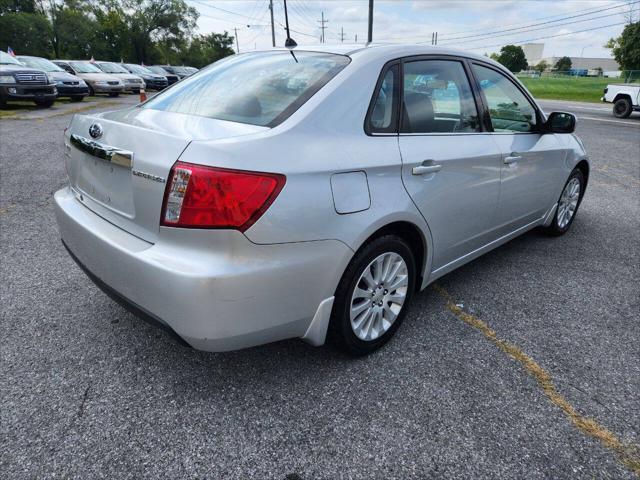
column 214, row 288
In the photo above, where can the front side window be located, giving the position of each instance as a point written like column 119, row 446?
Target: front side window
column 383, row 116
column 509, row 109
column 259, row 89
column 437, row 98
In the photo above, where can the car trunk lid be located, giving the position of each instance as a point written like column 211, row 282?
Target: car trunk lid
column 118, row 163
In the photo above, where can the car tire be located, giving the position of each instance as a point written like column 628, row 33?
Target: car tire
column 622, row 108
column 114, row 94
column 568, row 204
column 377, row 311
column 77, row 98
column 44, row 103
column 92, row 92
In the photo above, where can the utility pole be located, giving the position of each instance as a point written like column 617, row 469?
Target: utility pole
column 323, row 28
column 237, row 44
column 356, row 38
column 436, row 38
column 273, row 31
column 341, row 34
column 370, row 32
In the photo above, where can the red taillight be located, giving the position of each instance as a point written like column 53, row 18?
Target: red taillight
column 207, row 197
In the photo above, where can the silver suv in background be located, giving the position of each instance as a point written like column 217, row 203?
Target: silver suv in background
column 96, row 79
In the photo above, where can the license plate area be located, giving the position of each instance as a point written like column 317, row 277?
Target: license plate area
column 106, row 183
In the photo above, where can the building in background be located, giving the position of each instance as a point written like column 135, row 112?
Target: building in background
column 534, row 54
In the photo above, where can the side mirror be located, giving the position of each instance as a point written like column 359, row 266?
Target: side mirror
column 561, row 122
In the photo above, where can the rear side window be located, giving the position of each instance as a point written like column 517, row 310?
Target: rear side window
column 384, row 111
column 437, row 98
column 509, row 109
column 256, row 88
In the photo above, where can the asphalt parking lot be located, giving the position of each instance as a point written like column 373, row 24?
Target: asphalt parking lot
column 523, row 364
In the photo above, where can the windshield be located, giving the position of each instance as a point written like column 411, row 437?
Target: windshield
column 255, row 88
column 40, row 63
column 109, row 67
column 138, row 69
column 84, row 67
column 158, row 70
column 6, row 59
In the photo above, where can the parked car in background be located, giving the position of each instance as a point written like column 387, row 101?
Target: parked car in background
column 191, row 70
column 18, row 82
column 132, row 83
column 625, row 98
column 303, row 200
column 171, row 77
column 96, row 79
column 152, row 80
column 178, row 71
column 67, row 85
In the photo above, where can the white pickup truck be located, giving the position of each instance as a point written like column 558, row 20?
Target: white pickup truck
column 624, row 96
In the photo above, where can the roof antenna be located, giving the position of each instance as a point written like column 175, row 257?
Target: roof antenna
column 290, row 42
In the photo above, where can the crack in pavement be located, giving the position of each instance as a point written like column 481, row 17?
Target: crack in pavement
column 627, row 454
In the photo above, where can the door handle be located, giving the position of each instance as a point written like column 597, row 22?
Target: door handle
column 422, row 169
column 513, row 158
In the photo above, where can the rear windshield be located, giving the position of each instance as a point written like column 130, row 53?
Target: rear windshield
column 256, row 88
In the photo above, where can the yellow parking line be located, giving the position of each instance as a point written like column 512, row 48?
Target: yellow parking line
column 628, row 454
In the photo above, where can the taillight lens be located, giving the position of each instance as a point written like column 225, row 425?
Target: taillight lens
column 198, row 196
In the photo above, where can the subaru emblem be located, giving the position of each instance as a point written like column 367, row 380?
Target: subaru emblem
column 95, row 130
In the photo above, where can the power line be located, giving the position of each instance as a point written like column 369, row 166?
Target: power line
column 531, row 30
column 551, row 36
column 541, row 23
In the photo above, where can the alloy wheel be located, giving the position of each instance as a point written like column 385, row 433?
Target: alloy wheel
column 568, row 202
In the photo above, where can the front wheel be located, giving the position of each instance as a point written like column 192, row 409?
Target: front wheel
column 567, row 204
column 77, row 98
column 373, row 295
column 622, row 108
column 114, row 94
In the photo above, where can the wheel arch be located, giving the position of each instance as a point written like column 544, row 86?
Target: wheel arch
column 620, row 95
column 583, row 166
column 414, row 236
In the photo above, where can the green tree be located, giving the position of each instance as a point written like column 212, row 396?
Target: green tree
column 541, row 66
column 563, row 64
column 206, row 49
column 26, row 33
column 512, row 57
column 626, row 48
column 495, row 56
column 17, row 6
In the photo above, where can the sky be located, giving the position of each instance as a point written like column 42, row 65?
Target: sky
column 482, row 26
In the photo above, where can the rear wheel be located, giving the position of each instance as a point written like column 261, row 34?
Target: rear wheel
column 373, row 295
column 567, row 204
column 114, row 94
column 622, row 108
column 77, row 98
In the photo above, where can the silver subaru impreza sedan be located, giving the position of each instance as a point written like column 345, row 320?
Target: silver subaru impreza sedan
column 309, row 192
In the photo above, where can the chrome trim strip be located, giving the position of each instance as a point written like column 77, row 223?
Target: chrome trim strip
column 114, row 155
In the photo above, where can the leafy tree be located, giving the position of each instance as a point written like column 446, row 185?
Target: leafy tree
column 626, row 48
column 26, row 33
column 512, row 57
column 495, row 56
column 206, row 49
column 17, row 6
column 542, row 66
column 563, row 64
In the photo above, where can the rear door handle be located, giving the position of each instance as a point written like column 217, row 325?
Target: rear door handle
column 513, row 158
column 423, row 169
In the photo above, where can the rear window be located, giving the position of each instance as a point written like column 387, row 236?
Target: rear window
column 256, row 88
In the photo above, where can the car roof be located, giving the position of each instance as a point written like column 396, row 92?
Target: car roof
column 385, row 50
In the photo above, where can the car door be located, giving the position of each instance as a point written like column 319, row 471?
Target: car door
column 450, row 167
column 531, row 160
